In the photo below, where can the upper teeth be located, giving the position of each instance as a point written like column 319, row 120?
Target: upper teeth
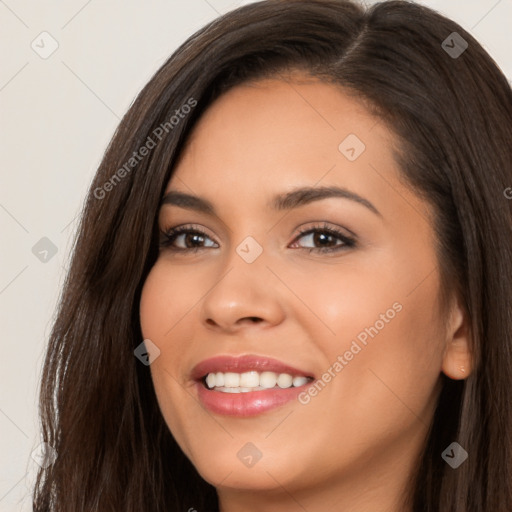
column 253, row 380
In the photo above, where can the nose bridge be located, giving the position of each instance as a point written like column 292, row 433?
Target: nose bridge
column 247, row 255
column 242, row 289
column 244, row 271
column 250, row 250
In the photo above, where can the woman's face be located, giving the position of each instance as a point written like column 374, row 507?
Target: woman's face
column 348, row 311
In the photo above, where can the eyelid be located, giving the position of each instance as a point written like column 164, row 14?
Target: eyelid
column 327, row 226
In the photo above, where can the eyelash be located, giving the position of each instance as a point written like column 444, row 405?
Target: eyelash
column 169, row 236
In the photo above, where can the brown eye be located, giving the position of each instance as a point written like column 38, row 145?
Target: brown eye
column 325, row 239
column 185, row 238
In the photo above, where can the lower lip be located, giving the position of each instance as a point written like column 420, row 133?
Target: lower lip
column 250, row 403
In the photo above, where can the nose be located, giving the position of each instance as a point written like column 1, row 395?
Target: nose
column 244, row 297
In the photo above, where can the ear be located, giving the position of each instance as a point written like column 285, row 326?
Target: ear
column 457, row 360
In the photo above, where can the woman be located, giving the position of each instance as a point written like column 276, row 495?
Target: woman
column 291, row 287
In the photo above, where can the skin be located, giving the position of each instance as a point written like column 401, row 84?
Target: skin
column 354, row 445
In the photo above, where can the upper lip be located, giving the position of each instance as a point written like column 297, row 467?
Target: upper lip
column 244, row 363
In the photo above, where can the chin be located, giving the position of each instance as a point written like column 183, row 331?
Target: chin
column 225, row 469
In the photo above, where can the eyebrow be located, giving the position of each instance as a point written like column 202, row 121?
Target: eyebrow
column 287, row 201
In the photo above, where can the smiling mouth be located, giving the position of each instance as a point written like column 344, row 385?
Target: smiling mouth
column 246, row 382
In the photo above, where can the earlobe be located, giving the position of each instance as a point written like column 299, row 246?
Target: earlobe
column 455, row 366
column 457, row 359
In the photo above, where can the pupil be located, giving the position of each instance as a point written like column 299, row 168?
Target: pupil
column 321, row 237
column 195, row 238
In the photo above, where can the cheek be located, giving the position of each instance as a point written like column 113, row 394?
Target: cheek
column 401, row 362
column 153, row 298
column 383, row 342
column 167, row 296
column 342, row 301
column 163, row 307
column 381, row 367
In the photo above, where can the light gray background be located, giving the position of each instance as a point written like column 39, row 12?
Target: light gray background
column 57, row 116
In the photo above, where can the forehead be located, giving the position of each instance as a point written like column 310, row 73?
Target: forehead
column 272, row 136
column 294, row 129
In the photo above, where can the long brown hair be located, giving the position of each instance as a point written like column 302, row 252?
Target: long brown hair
column 453, row 117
